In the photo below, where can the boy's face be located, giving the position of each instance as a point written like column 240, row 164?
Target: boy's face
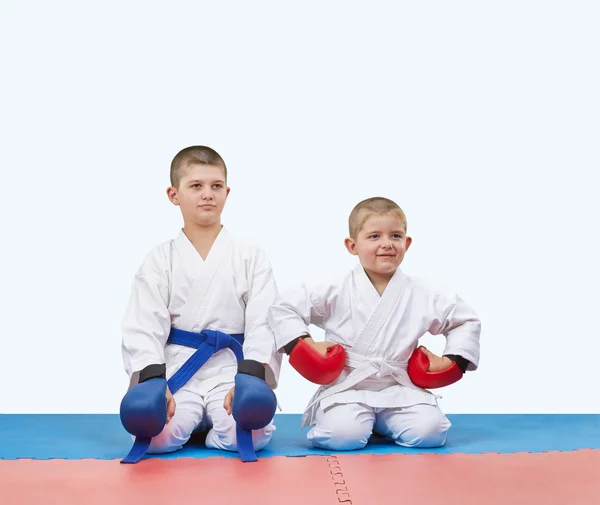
column 380, row 244
column 201, row 194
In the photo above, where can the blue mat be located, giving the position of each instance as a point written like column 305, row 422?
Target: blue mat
column 73, row 436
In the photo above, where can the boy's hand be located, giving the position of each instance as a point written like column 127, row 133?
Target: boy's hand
column 319, row 362
column 320, row 347
column 228, row 401
column 437, row 364
column 170, row 405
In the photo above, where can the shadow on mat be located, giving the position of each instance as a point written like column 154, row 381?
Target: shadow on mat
column 198, row 439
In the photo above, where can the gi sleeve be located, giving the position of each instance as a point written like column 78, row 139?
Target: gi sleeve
column 293, row 311
column 459, row 323
column 259, row 343
column 147, row 322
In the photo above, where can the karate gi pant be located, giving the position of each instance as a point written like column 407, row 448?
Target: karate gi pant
column 197, row 412
column 345, row 427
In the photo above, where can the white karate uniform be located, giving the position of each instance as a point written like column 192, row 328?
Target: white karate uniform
column 379, row 334
column 230, row 291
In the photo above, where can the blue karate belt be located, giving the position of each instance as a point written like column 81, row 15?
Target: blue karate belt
column 206, row 343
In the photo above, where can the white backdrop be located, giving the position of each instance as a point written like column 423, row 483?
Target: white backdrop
column 479, row 118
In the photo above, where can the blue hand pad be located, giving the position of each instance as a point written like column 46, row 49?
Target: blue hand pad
column 253, row 408
column 254, row 402
column 144, row 408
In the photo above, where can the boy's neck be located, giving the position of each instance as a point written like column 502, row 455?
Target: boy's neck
column 379, row 281
column 202, row 237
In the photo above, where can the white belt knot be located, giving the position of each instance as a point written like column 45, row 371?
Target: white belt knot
column 384, row 368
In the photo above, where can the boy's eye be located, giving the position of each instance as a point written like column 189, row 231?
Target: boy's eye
column 217, row 185
column 397, row 235
column 195, row 185
column 373, row 236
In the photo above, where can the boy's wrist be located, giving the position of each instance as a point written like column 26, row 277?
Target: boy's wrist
column 154, row 371
column 252, row 367
column 461, row 362
column 290, row 347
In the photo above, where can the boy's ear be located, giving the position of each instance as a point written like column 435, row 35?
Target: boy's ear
column 351, row 246
column 172, row 194
column 408, row 242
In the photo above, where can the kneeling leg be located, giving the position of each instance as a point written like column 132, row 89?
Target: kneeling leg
column 342, row 427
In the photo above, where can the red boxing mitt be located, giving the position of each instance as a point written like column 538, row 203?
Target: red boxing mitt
column 417, row 371
column 315, row 367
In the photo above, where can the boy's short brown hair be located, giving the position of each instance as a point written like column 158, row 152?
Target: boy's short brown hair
column 375, row 205
column 195, row 154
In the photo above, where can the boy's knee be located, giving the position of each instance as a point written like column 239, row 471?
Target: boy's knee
column 170, row 439
column 223, row 435
column 260, row 438
column 429, row 431
column 342, row 436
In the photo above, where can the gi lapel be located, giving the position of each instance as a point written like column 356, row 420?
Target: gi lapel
column 204, row 273
column 383, row 308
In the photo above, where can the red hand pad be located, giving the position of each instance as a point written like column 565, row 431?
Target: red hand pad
column 417, row 371
column 315, row 367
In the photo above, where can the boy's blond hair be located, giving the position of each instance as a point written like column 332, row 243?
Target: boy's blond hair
column 192, row 155
column 376, row 205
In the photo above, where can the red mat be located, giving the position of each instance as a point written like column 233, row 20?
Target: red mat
column 557, row 478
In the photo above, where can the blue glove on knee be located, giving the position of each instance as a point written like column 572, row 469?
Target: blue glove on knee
column 253, row 407
column 144, row 414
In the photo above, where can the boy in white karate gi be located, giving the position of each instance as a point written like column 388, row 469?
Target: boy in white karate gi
column 374, row 315
column 203, row 279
